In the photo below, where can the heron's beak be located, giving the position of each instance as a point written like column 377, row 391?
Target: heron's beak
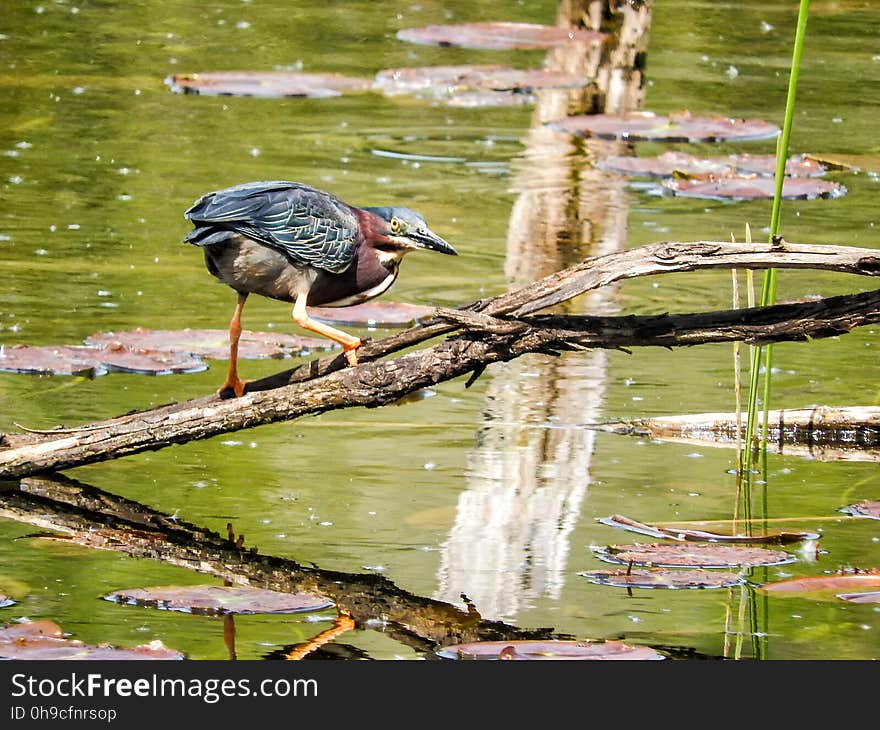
column 426, row 238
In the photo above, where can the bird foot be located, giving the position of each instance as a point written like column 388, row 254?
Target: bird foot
column 236, row 386
column 351, row 353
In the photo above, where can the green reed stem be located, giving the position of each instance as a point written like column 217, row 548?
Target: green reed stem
column 768, row 293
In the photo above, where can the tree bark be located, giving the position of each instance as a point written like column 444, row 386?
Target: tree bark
column 486, row 338
column 824, row 433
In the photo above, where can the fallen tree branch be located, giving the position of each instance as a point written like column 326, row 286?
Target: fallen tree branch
column 96, row 519
column 824, row 433
column 487, row 338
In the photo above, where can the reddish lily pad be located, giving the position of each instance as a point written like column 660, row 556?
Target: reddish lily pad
column 866, row 508
column 271, row 84
column 819, row 584
column 147, row 361
column 444, row 80
column 795, row 166
column 218, row 600
column 30, row 630
column 866, row 597
column 374, row 314
column 672, row 162
column 210, row 343
column 45, row 640
column 52, row 360
column 567, row 650
column 95, row 361
column 499, row 35
column 693, row 555
column 479, row 99
column 664, row 578
column 647, row 126
column 754, row 188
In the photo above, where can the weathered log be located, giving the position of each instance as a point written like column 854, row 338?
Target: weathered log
column 96, row 519
column 823, row 432
column 374, row 383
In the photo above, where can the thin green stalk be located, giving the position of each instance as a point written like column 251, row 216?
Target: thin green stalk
column 768, row 293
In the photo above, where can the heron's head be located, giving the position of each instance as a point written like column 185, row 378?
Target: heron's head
column 398, row 230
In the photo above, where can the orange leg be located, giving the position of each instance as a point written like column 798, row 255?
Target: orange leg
column 349, row 343
column 232, row 380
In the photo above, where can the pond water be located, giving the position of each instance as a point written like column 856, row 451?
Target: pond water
column 493, row 491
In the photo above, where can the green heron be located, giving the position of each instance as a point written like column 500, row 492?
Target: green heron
column 294, row 243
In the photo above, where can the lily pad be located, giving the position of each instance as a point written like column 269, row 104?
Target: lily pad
column 52, row 360
column 693, row 555
column 218, row 600
column 479, row 99
column 272, row 84
column 568, row 650
column 647, row 126
column 754, row 188
column 48, row 649
column 374, row 314
column 818, row 584
column 211, row 343
column 45, row 640
column 672, row 162
column 498, row 35
column 664, row 578
column 866, row 508
column 30, row 630
column 866, row 597
column 445, row 80
column 95, row 361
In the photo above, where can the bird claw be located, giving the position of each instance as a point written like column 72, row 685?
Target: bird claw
column 236, row 386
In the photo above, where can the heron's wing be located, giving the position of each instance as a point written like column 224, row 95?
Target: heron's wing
column 312, row 227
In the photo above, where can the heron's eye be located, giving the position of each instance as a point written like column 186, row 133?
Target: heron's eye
column 395, row 225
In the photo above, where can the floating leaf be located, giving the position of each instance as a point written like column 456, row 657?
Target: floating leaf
column 664, row 578
column 868, row 597
column 818, row 584
column 743, row 187
column 149, row 362
column 52, row 360
column 647, row 126
column 669, row 163
column 214, row 600
column 693, row 555
column 796, row 166
column 444, row 80
column 479, row 99
column 43, row 640
column 596, row 650
column 499, row 35
column 30, row 630
column 677, row 533
column 266, row 84
column 95, row 361
column 865, row 508
column 210, row 343
column 374, row 314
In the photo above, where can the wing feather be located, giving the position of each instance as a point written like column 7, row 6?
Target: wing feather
column 311, row 227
